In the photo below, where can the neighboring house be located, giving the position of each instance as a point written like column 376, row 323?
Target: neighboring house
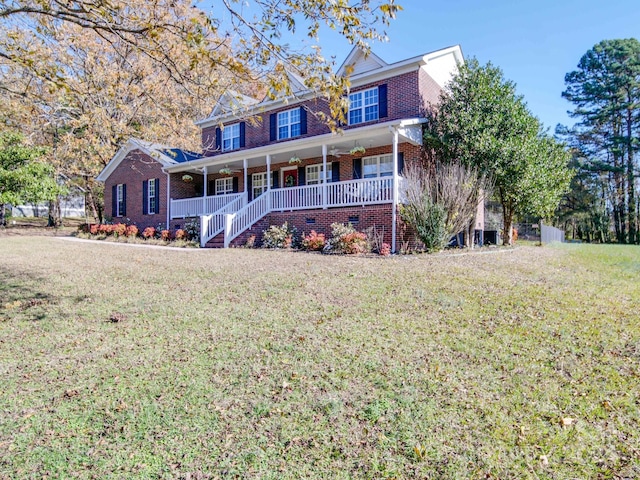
column 71, row 205
column 273, row 161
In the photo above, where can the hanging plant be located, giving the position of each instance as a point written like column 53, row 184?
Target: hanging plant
column 358, row 150
column 225, row 171
column 294, row 160
column 187, row 178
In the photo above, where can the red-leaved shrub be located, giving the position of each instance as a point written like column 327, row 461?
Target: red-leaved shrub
column 149, row 232
column 385, row 250
column 132, row 231
column 165, row 235
column 119, row 229
column 181, row 234
column 314, row 241
column 94, row 228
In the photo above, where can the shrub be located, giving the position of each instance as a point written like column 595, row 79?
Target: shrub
column 94, row 229
column 132, row 231
column 251, row 242
column 347, row 240
column 279, row 237
column 192, row 228
column 181, row 234
column 119, row 229
column 375, row 238
column 149, row 232
column 165, row 235
column 429, row 221
column 314, row 241
column 105, row 229
column 385, row 250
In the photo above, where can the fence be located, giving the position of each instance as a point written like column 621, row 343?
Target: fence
column 550, row 234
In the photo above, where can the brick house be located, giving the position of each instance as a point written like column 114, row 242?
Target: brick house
column 271, row 161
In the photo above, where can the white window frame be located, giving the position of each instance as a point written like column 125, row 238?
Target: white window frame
column 231, row 137
column 119, row 199
column 151, row 196
column 260, row 179
column 224, row 185
column 375, row 161
column 366, row 103
column 285, row 121
column 319, row 177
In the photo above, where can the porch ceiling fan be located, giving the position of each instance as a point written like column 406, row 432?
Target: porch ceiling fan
column 336, row 152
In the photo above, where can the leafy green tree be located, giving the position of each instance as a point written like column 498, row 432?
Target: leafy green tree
column 481, row 122
column 605, row 91
column 23, row 178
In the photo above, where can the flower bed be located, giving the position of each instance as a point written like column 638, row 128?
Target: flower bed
column 121, row 232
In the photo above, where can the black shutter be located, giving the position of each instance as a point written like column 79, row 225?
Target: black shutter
column 157, row 180
column 303, row 121
column 243, row 128
column 357, row 168
column 123, row 213
column 382, row 101
column 335, row 171
column 114, row 201
column 400, row 163
column 301, row 176
column 218, row 139
column 248, row 187
column 211, row 188
column 145, row 195
column 235, row 184
column 273, row 127
column 275, row 183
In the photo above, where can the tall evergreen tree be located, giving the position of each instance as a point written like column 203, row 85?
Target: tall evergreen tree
column 483, row 123
column 605, row 91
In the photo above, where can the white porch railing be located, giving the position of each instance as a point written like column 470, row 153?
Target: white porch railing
column 296, row 198
column 214, row 224
column 367, row 191
column 238, row 222
column 193, row 207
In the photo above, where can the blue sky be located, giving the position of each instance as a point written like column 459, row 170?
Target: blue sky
column 535, row 43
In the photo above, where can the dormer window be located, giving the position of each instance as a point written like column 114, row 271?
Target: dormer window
column 231, row 137
column 289, row 123
column 363, row 106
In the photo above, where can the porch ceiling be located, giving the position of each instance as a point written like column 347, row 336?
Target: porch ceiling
column 370, row 136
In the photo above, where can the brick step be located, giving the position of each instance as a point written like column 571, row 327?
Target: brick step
column 216, row 242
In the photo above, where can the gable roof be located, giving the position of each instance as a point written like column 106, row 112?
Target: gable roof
column 165, row 156
column 232, row 101
column 358, row 61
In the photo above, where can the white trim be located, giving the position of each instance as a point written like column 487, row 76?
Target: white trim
column 227, row 188
column 231, row 129
column 363, row 106
column 289, row 123
column 353, row 57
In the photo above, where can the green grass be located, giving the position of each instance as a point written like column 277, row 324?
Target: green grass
column 262, row 364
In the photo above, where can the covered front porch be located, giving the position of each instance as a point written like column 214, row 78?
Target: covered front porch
column 356, row 168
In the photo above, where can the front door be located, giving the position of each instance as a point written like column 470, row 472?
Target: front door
column 290, row 177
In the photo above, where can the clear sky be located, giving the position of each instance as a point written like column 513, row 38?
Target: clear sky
column 535, row 43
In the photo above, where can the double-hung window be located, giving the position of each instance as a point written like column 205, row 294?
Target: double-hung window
column 259, row 183
column 231, row 137
column 151, row 196
column 289, row 123
column 363, row 106
column 379, row 166
column 224, row 185
column 120, row 200
column 315, row 175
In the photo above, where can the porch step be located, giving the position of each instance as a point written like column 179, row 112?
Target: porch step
column 216, row 242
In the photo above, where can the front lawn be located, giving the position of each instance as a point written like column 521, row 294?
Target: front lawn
column 120, row 362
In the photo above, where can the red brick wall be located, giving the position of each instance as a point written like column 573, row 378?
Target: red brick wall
column 132, row 171
column 404, row 100
column 429, row 91
column 379, row 216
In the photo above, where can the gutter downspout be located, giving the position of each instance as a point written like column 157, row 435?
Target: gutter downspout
column 168, row 198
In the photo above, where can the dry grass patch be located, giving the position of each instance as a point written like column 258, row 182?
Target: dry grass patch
column 271, row 364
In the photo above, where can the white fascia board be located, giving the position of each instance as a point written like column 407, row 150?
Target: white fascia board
column 292, row 145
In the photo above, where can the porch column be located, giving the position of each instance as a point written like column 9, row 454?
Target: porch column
column 204, row 191
column 324, row 180
column 168, row 198
column 268, row 191
column 395, row 190
column 244, row 167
